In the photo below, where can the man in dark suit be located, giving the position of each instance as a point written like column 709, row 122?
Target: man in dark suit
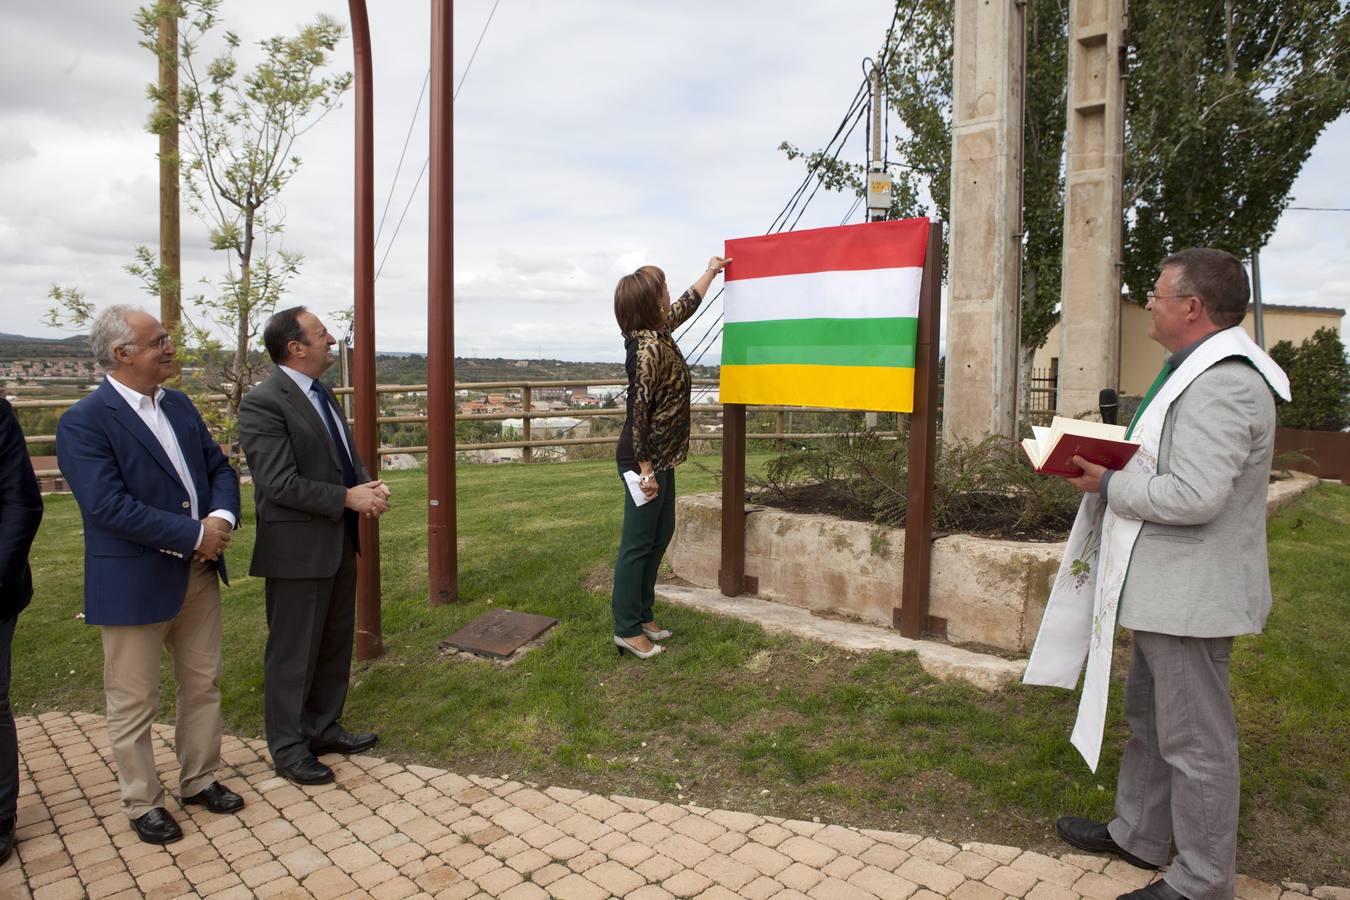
column 159, row 501
column 310, row 489
column 20, row 515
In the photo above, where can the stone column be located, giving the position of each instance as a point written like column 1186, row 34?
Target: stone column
column 985, row 258
column 1089, row 355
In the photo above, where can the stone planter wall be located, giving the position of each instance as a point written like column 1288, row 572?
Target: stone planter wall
column 990, row 592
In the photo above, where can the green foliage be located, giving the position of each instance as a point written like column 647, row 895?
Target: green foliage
column 986, row 488
column 238, row 129
column 69, row 309
column 918, row 87
column 1225, row 102
column 1319, row 382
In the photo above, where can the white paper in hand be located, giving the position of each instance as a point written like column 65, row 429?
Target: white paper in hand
column 634, row 488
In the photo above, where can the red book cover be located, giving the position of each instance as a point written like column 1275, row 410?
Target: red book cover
column 1051, row 450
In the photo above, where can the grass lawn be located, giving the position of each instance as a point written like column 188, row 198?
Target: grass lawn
column 734, row 717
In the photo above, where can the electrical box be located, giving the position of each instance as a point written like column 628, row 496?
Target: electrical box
column 878, row 192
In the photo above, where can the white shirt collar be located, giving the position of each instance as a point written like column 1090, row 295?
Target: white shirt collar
column 134, row 397
column 303, row 381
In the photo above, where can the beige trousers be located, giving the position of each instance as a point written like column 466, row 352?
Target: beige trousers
column 131, row 679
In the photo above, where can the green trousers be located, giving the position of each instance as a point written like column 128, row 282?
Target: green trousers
column 647, row 531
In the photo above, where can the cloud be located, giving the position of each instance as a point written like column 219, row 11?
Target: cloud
column 590, row 137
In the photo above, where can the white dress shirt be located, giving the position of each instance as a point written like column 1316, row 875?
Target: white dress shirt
column 304, row 382
column 148, row 408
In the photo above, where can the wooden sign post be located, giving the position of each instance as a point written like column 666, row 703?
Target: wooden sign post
column 911, row 616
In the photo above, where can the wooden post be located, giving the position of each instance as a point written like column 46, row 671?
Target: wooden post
column 527, row 453
column 912, row 616
column 731, row 576
column 369, row 642
column 778, row 429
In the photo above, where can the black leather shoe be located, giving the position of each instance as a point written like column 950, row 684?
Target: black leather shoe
column 157, row 827
column 1158, row 890
column 6, row 839
column 217, row 798
column 307, row 771
column 346, row 742
column 1086, row 834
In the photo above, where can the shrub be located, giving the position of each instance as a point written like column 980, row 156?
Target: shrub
column 1319, row 381
column 986, row 488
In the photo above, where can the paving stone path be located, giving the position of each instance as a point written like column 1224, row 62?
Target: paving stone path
column 390, row 831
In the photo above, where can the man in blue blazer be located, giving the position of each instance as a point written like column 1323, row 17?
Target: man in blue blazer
column 159, row 501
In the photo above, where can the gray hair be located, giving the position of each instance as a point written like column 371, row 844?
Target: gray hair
column 110, row 331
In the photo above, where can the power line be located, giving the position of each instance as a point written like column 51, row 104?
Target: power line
column 474, row 54
column 1320, row 208
column 411, row 195
column 399, row 169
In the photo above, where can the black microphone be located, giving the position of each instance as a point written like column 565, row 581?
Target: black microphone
column 1108, row 404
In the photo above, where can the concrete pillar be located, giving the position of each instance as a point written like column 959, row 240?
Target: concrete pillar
column 985, row 268
column 1089, row 355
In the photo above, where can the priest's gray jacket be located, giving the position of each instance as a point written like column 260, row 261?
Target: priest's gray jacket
column 1199, row 566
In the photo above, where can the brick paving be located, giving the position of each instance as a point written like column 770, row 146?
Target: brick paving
column 389, row 831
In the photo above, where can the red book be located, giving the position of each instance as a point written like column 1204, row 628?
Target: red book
column 1053, row 448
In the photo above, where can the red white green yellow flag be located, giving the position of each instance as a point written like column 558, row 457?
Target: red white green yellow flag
column 825, row 317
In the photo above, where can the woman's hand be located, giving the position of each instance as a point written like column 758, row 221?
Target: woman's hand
column 647, row 481
column 715, row 265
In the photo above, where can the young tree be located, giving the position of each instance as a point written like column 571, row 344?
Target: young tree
column 239, row 129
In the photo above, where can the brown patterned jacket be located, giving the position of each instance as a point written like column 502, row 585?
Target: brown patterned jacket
column 657, row 427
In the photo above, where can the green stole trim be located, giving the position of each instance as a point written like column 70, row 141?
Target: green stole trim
column 1163, row 374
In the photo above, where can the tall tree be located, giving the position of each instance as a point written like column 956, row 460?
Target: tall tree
column 239, row 129
column 1225, row 101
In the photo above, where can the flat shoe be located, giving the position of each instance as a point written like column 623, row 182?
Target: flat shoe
column 1086, row 834
column 217, row 798
column 307, row 771
column 1158, row 890
column 157, row 827
column 345, row 743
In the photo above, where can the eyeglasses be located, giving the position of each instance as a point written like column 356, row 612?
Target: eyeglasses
column 1155, row 296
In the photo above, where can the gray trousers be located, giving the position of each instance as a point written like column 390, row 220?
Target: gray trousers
column 308, row 659
column 1179, row 775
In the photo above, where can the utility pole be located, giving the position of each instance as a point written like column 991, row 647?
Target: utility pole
column 878, row 184
column 1258, row 323
column 170, row 251
column 985, row 252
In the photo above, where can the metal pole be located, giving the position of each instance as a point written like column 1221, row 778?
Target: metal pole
column 442, row 554
column 369, row 643
column 912, row 616
column 1258, row 319
column 170, row 242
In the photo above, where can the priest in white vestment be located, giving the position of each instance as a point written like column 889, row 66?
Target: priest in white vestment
column 1173, row 547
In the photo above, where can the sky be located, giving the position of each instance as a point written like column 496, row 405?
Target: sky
column 590, row 137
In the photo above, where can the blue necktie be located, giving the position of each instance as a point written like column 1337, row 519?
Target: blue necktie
column 348, row 470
